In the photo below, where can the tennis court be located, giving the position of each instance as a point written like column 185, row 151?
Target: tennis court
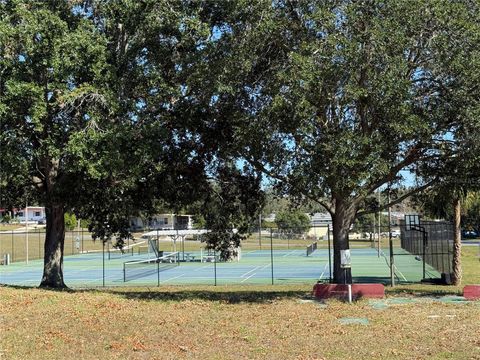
column 254, row 267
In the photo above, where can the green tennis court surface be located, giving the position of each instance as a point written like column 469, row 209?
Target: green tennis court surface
column 254, row 267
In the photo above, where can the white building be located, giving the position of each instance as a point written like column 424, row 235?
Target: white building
column 319, row 224
column 163, row 222
column 30, row 214
column 321, row 219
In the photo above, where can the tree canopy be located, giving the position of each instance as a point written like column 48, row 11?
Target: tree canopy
column 293, row 221
column 101, row 107
column 337, row 100
column 108, row 107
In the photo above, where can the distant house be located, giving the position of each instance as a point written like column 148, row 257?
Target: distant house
column 163, row 222
column 319, row 223
column 396, row 217
column 269, row 218
column 316, row 219
column 30, row 214
column 321, row 219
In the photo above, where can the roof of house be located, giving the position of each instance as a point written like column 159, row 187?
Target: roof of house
column 315, row 219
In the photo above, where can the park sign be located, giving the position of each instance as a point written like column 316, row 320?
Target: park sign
column 345, row 259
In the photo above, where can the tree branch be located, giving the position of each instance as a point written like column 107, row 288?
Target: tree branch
column 413, row 154
column 400, row 199
column 261, row 167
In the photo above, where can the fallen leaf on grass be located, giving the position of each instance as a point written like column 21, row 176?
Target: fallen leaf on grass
column 115, row 345
column 138, row 346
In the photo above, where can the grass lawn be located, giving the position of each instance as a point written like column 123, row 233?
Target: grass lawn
column 239, row 322
column 229, row 323
column 9, row 227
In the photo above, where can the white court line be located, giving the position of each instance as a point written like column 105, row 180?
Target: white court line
column 92, row 280
column 255, row 268
column 263, row 267
column 248, row 277
column 404, row 278
column 323, row 272
column 290, row 253
column 249, row 252
column 395, row 266
column 204, row 267
column 175, row 277
column 24, row 281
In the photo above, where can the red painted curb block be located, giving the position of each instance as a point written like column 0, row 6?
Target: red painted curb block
column 471, row 292
column 371, row 291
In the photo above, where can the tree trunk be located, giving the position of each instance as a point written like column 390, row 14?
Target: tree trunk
column 457, row 245
column 342, row 219
column 54, row 243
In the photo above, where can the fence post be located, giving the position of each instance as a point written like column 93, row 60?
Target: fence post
column 158, row 272
column 424, row 251
column 215, row 266
column 392, row 260
column 379, row 225
column 271, row 252
column 329, row 255
column 13, row 246
column 103, row 262
column 390, row 243
column 183, row 247
column 26, row 242
column 260, row 231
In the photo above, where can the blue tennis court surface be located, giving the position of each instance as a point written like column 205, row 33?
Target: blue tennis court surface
column 254, row 267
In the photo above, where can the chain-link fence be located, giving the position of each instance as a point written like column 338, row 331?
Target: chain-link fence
column 431, row 242
column 25, row 246
column 266, row 256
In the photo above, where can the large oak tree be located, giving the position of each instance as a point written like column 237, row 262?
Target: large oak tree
column 101, row 107
column 335, row 100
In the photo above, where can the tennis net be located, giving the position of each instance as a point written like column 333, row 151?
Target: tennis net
column 140, row 268
column 311, row 248
column 119, row 253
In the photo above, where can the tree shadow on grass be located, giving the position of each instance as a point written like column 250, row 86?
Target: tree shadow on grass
column 371, row 280
column 246, row 295
column 173, row 294
column 28, row 287
column 230, row 297
column 424, row 291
